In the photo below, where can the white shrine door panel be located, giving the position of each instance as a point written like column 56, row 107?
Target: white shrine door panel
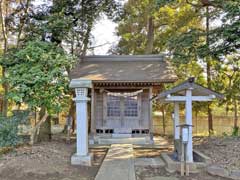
column 122, row 111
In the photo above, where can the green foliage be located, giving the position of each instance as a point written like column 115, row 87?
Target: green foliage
column 235, row 131
column 171, row 19
column 67, row 21
column 9, row 129
column 225, row 134
column 225, row 38
column 37, row 75
column 180, row 29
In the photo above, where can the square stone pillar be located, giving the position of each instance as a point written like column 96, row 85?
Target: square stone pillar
column 82, row 156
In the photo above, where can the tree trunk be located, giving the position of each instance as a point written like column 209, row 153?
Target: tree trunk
column 22, row 22
column 43, row 116
column 235, row 114
column 72, row 114
column 227, row 109
column 150, row 36
column 86, row 39
column 45, row 130
column 5, row 46
column 210, row 118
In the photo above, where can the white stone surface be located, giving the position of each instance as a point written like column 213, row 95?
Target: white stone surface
column 121, row 135
column 118, row 164
column 176, row 121
column 82, row 157
column 188, row 121
column 132, row 140
column 80, row 83
column 82, row 128
column 81, row 160
column 161, row 178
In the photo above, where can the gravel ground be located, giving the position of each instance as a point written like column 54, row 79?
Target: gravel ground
column 51, row 161
column 143, row 173
column 224, row 151
column 47, row 161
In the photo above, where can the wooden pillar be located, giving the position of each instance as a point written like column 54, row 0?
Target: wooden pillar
column 188, row 120
column 93, row 123
column 176, row 121
column 150, row 111
column 150, row 115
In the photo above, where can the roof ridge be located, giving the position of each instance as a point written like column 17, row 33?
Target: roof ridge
column 153, row 57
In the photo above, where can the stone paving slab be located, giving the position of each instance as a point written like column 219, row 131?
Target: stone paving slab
column 118, row 163
column 161, row 178
column 154, row 162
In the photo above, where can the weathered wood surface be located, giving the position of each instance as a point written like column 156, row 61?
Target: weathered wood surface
column 102, row 121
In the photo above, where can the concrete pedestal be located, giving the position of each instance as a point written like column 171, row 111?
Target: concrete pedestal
column 82, row 160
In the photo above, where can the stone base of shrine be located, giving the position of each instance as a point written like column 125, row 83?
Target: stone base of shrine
column 82, row 160
column 120, row 139
column 201, row 161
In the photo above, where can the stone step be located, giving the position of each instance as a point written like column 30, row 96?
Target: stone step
column 121, row 135
column 132, row 140
column 153, row 162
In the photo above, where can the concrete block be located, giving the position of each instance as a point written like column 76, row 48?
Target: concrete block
column 161, row 178
column 235, row 174
column 154, row 162
column 121, row 135
column 217, row 171
column 173, row 166
column 82, row 160
column 91, row 141
column 140, row 140
column 202, row 157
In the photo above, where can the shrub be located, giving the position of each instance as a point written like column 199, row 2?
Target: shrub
column 9, row 129
column 235, row 131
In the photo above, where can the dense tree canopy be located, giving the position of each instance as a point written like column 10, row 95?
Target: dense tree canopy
column 37, row 75
column 39, row 38
column 201, row 37
column 37, row 32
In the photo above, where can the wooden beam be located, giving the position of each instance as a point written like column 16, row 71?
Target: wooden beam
column 184, row 98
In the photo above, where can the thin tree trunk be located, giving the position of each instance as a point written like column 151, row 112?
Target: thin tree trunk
column 210, row 118
column 43, row 115
column 150, row 36
column 86, row 39
column 72, row 114
column 22, row 22
column 227, row 109
column 5, row 41
column 235, row 114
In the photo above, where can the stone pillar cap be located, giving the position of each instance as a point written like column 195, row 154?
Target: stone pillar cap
column 80, row 83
